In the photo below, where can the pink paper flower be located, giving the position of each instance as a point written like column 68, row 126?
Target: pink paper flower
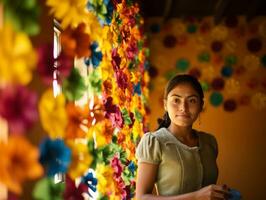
column 18, row 106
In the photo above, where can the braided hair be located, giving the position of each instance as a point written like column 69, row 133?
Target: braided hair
column 176, row 80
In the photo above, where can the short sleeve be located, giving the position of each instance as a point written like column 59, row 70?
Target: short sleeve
column 149, row 150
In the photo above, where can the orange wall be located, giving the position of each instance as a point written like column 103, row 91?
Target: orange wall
column 241, row 134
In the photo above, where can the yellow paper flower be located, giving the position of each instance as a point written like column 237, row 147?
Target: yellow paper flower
column 19, row 162
column 232, row 86
column 219, row 32
column 17, row 57
column 81, row 159
column 53, row 114
column 104, row 175
column 70, row 12
column 251, row 62
column 258, row 100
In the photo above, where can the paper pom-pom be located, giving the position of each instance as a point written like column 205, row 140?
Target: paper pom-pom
column 155, row 28
column 263, row 60
column 218, row 83
column 182, row 64
column 230, row 105
column 204, row 57
column 219, row 33
column 195, row 72
column 216, row 98
column 217, row 60
column 153, row 71
column 205, row 27
column 205, row 86
column 231, row 22
column 251, row 62
column 179, row 28
column 258, row 101
column 244, row 100
column 239, row 70
column 263, row 83
column 253, row 83
column 182, row 40
column 232, row 86
column 227, row 71
column 192, row 28
column 254, row 45
column 216, row 46
column 230, row 46
column 170, row 41
column 230, row 60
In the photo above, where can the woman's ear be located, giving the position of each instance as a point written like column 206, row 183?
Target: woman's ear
column 165, row 105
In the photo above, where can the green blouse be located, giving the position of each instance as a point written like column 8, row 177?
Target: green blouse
column 182, row 169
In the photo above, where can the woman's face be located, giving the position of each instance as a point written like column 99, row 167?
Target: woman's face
column 183, row 105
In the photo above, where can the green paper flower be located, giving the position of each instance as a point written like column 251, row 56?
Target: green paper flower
column 138, row 115
column 46, row 189
column 216, row 98
column 182, row 64
column 170, row 74
column 74, row 86
column 126, row 117
column 230, row 60
column 204, row 57
column 263, row 60
column 94, row 82
column 192, row 28
column 23, row 15
column 205, row 86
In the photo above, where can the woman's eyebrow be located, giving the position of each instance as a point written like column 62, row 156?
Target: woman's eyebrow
column 176, row 95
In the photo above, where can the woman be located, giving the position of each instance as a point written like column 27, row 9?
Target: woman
column 178, row 159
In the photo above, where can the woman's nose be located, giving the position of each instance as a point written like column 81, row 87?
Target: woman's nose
column 183, row 106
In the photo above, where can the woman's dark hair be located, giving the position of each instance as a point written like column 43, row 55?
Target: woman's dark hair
column 176, row 80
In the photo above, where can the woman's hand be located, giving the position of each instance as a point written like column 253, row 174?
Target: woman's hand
column 213, row 192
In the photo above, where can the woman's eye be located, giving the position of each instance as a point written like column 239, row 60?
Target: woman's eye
column 193, row 100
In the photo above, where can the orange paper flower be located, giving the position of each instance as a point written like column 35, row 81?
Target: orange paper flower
column 15, row 167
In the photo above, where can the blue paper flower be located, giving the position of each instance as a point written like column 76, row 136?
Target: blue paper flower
column 131, row 167
column 96, row 56
column 90, row 181
column 55, row 156
column 227, row 71
column 137, row 88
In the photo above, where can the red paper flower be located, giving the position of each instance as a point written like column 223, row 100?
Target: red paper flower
column 18, row 106
column 49, row 68
column 74, row 192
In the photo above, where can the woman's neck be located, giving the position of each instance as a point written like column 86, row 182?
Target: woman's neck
column 184, row 134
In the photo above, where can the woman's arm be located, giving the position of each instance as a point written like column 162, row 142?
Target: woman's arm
column 146, row 178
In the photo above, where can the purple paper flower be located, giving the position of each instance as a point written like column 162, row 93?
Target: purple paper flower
column 18, row 106
column 113, row 113
column 121, row 79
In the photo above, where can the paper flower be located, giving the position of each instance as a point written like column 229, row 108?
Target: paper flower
column 90, row 181
column 227, row 71
column 182, row 64
column 263, row 60
column 104, row 175
column 76, row 42
column 230, row 46
column 251, row 62
column 230, row 105
column 55, row 156
column 262, row 29
column 103, row 10
column 69, row 12
column 18, row 106
column 17, row 57
column 216, row 46
column 219, row 33
column 254, row 45
column 121, row 79
column 79, row 120
column 81, row 159
column 74, row 86
column 232, row 86
column 116, row 59
column 195, row 72
column 218, row 83
column 53, row 114
column 216, row 98
column 15, row 167
column 48, row 66
column 204, row 57
column 192, row 28
column 230, row 59
column 74, row 192
column 24, row 17
column 258, row 100
column 96, row 56
column 169, row 41
column 116, row 118
column 46, row 189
